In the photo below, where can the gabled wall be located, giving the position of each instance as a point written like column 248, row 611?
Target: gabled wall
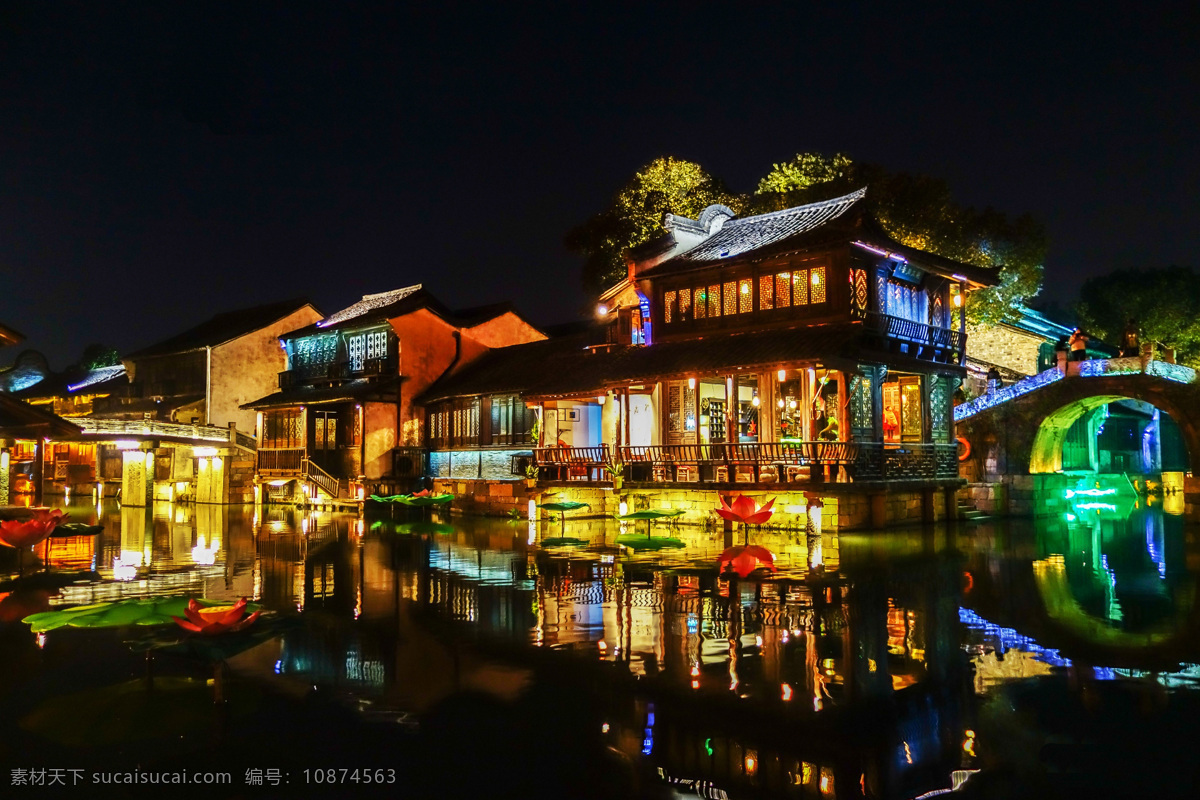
column 248, row 368
column 428, row 348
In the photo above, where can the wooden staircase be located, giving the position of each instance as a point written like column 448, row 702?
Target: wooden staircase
column 321, row 479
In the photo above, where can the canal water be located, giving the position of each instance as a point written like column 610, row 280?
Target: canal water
column 470, row 657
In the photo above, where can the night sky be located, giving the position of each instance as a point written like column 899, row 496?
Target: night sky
column 160, row 165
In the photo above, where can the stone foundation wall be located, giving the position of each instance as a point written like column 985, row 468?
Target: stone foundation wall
column 844, row 511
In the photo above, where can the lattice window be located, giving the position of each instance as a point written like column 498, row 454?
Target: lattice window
column 356, row 346
column 669, row 306
column 766, row 292
column 731, row 302
column 939, row 407
column 861, row 415
column 816, row 281
column 800, row 287
column 937, row 316
column 783, row 290
column 745, row 296
column 701, row 305
column 685, row 305
column 858, row 278
column 714, row 300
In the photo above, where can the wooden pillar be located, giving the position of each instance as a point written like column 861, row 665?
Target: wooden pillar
column 39, row 464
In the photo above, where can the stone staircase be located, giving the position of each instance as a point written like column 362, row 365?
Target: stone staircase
column 967, row 512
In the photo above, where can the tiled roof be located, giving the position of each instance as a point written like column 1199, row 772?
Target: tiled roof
column 381, row 307
column 368, row 304
column 222, row 328
column 565, row 366
column 72, row 380
column 739, row 236
column 311, row 395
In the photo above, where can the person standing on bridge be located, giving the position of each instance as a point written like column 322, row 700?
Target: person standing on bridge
column 1078, row 344
column 1130, row 345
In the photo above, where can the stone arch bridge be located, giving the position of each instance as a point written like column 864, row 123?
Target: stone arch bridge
column 1016, row 433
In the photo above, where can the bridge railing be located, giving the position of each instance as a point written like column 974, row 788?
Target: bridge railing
column 1090, row 368
column 149, row 427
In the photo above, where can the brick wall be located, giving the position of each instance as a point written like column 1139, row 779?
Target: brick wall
column 1004, row 346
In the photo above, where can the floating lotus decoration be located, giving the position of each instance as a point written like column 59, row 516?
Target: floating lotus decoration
column 744, row 559
column 652, row 513
column 421, row 498
column 117, row 613
column 212, row 620
column 21, row 534
column 743, row 509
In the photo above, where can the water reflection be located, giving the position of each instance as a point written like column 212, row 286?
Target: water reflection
column 864, row 666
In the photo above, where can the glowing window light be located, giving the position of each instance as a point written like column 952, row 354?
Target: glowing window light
column 787, row 692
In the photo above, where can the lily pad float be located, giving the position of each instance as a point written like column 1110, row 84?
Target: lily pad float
column 417, row 500
column 425, row 527
column 75, row 529
column 563, row 541
column 139, row 611
column 566, row 505
column 652, row 513
column 637, row 542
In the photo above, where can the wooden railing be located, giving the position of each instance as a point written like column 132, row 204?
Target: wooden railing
column 719, row 462
column 572, row 463
column 917, row 461
column 323, row 480
column 939, row 344
column 281, row 461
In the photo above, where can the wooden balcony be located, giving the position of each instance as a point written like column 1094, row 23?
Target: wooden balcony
column 752, row 462
column 280, row 463
column 930, row 342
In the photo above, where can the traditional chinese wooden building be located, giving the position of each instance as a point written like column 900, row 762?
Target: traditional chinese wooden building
column 343, row 422
column 800, row 350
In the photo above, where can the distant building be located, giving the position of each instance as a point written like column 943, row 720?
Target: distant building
column 343, row 419
column 204, row 374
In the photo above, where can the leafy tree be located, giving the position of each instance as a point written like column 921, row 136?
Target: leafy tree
column 97, row 355
column 920, row 211
column 1164, row 301
column 635, row 215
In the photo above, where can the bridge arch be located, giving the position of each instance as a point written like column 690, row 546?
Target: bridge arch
column 1025, row 431
column 1046, row 452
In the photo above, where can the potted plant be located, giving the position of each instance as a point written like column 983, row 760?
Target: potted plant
column 616, row 471
column 531, row 476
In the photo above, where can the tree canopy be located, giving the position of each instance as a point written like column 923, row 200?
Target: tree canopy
column 98, row 355
column 916, row 210
column 920, row 211
column 635, row 215
column 1164, row 301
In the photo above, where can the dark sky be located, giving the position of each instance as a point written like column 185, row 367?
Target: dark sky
column 160, row 165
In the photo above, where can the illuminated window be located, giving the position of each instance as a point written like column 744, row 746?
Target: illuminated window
column 800, row 287
column 817, row 281
column 701, row 303
column 714, row 300
column 685, row 305
column 766, row 292
column 745, row 296
column 783, row 290
column 669, row 307
column 731, row 303
column 902, row 411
